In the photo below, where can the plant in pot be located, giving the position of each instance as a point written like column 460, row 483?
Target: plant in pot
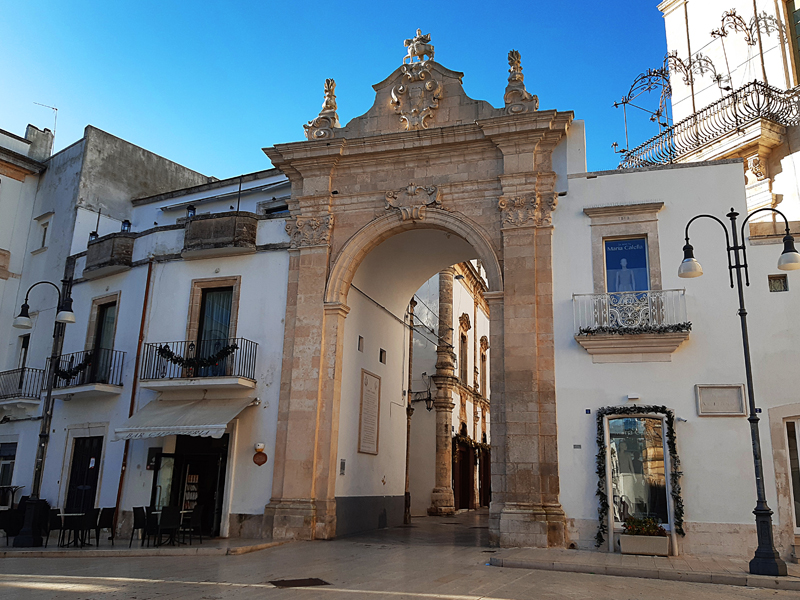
column 644, row 536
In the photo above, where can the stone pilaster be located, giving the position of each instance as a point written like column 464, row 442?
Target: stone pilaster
column 442, row 500
column 497, row 413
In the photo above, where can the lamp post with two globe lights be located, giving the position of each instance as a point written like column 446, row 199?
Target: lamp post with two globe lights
column 766, row 560
column 31, row 534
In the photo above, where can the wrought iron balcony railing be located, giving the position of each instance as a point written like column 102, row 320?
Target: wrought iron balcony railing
column 756, row 100
column 21, row 383
column 208, row 358
column 656, row 311
column 100, row 365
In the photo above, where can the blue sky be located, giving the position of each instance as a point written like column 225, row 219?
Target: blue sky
column 209, row 83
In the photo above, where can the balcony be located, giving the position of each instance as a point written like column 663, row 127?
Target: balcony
column 224, row 364
column 220, row 234
column 109, row 254
column 631, row 326
column 755, row 114
column 89, row 374
column 21, row 388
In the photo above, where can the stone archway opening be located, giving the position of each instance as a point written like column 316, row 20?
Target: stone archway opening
column 393, row 353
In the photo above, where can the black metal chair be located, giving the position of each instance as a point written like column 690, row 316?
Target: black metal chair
column 87, row 524
column 106, row 521
column 195, row 524
column 11, row 521
column 71, row 527
column 54, row 523
column 169, row 522
column 141, row 520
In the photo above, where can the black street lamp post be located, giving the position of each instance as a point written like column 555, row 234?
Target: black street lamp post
column 31, row 534
column 766, row 560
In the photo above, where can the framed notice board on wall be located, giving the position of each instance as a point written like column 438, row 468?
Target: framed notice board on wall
column 370, row 413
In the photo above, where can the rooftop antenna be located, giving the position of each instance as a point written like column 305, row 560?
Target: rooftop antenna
column 55, row 116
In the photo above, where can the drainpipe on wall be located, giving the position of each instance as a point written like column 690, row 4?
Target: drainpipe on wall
column 134, row 389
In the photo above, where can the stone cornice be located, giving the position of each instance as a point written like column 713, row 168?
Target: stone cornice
column 15, row 164
column 616, row 210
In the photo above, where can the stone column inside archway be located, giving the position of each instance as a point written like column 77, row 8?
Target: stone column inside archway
column 442, row 500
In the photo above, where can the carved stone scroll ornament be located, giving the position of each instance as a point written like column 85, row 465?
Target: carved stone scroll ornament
column 310, row 231
column 517, row 98
column 413, row 200
column 417, row 97
column 322, row 127
column 463, row 322
column 757, row 167
column 484, row 343
column 518, row 210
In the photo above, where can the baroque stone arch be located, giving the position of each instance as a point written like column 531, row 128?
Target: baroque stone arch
column 371, row 235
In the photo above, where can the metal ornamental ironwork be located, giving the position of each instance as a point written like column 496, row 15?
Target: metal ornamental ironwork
column 655, row 311
column 756, row 100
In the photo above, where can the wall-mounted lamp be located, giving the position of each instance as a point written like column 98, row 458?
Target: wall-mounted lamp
column 191, row 211
column 93, row 236
column 126, row 226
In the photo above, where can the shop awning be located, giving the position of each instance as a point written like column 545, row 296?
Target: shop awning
column 201, row 418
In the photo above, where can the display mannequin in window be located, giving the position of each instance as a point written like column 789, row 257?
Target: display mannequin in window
column 625, row 279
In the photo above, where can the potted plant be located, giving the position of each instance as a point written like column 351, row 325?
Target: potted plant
column 644, row 536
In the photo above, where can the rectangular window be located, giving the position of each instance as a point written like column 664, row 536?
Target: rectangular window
column 214, row 327
column 794, row 467
column 24, row 343
column 462, row 358
column 360, row 344
column 483, row 374
column 794, row 32
column 104, row 341
column 778, row 283
column 8, row 453
column 44, row 234
column 637, row 468
column 626, row 265
column 382, row 356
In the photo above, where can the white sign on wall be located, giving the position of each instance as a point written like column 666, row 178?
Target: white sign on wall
column 369, row 418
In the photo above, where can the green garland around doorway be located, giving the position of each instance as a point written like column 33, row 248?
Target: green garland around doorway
column 675, row 465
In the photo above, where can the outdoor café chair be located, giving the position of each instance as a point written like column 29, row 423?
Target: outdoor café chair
column 169, row 522
column 106, row 521
column 195, row 524
column 54, row 523
column 142, row 521
column 88, row 524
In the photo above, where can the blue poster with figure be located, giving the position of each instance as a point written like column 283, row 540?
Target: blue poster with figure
column 626, row 265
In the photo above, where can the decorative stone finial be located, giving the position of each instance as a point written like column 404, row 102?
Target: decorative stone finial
column 419, row 46
column 517, row 98
column 322, row 127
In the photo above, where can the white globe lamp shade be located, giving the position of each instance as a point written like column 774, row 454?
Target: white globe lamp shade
column 23, row 320
column 689, row 266
column 65, row 316
column 790, row 258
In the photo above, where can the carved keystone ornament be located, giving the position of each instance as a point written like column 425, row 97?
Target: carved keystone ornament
column 416, row 199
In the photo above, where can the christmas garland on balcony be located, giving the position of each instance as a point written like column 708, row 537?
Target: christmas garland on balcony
column 600, row 461
column 620, row 330
column 196, row 362
column 468, row 441
column 67, row 374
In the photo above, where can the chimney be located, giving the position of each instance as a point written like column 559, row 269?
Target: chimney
column 41, row 143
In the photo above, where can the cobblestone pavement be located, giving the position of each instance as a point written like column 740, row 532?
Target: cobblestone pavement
column 434, row 558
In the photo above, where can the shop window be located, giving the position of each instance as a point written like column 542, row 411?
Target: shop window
column 778, row 283
column 8, row 453
column 626, row 265
column 637, row 468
